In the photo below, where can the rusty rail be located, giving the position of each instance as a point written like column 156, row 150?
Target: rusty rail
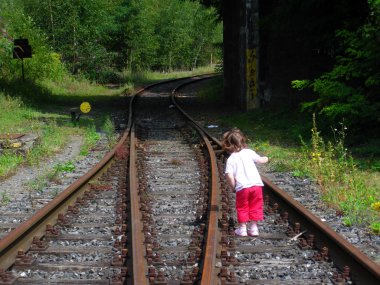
column 139, row 262
column 210, row 251
column 363, row 269
column 208, row 270
column 21, row 237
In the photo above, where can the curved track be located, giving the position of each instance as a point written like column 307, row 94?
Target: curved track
column 156, row 210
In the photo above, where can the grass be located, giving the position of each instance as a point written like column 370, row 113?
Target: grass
column 109, row 130
column 4, row 198
column 37, row 185
column 52, row 139
column 72, row 92
column 90, row 140
column 210, row 92
column 141, row 78
column 343, row 185
column 64, row 167
column 9, row 162
column 41, row 181
column 42, row 109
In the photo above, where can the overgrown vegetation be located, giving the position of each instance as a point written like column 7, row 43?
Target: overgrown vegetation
column 141, row 78
column 4, row 198
column 53, row 126
column 350, row 90
column 109, row 131
column 343, row 185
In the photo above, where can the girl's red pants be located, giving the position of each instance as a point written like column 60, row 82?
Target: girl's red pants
column 249, row 204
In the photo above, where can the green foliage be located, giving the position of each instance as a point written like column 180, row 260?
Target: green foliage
column 37, row 185
column 16, row 24
column 170, row 34
column 52, row 139
column 212, row 92
column 375, row 228
column 347, row 221
column 109, row 130
column 300, row 84
column 8, row 162
column 90, row 140
column 98, row 38
column 342, row 184
column 78, row 30
column 4, row 198
column 65, row 167
column 350, row 90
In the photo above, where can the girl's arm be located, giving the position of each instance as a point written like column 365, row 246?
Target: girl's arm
column 230, row 180
column 262, row 159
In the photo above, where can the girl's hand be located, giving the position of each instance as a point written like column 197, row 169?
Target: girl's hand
column 263, row 159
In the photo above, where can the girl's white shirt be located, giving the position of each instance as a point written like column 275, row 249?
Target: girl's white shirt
column 242, row 165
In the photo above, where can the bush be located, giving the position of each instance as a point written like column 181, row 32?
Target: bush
column 350, row 90
column 43, row 64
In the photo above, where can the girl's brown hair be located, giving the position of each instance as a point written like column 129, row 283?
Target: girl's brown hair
column 234, row 140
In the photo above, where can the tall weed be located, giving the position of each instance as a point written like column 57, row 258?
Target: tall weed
column 343, row 186
column 109, row 130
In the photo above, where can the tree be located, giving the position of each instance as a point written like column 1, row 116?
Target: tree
column 170, row 34
column 350, row 90
column 16, row 24
column 79, row 30
column 99, row 37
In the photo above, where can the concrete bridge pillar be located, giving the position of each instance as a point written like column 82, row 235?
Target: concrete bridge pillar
column 241, row 53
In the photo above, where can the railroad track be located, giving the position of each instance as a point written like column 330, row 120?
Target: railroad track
column 156, row 210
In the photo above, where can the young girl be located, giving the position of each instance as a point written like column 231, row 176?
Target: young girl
column 243, row 176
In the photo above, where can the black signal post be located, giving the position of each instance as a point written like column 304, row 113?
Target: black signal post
column 22, row 50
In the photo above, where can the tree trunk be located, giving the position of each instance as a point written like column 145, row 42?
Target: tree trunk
column 52, row 22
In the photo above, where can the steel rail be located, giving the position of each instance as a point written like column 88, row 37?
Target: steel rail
column 139, row 264
column 208, row 76
column 363, row 269
column 140, row 267
column 208, row 269
column 21, row 237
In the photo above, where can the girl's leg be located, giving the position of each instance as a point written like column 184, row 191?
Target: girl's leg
column 242, row 206
column 256, row 212
column 255, row 203
column 242, row 211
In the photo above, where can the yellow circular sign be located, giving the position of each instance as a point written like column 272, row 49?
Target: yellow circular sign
column 85, row 107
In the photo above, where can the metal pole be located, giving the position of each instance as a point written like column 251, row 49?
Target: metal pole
column 22, row 68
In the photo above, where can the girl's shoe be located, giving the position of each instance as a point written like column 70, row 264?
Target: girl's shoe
column 253, row 231
column 241, row 231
